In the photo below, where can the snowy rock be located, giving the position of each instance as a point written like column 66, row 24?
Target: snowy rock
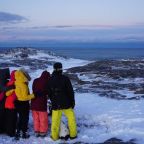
column 110, row 77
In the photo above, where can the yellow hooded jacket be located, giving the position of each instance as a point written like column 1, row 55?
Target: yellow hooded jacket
column 22, row 90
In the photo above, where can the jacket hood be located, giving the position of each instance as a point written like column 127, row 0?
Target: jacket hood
column 12, row 76
column 20, row 77
column 40, row 84
column 45, row 75
column 26, row 74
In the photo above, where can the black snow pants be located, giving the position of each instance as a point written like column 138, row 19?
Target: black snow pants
column 2, row 116
column 22, row 108
column 11, row 119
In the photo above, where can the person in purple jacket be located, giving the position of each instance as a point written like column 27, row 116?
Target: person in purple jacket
column 39, row 104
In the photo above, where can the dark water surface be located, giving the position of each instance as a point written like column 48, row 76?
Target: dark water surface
column 96, row 53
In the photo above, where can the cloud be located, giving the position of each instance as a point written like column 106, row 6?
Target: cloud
column 73, row 33
column 11, row 18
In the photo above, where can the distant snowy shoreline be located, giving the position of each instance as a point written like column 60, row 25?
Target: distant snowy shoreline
column 88, row 53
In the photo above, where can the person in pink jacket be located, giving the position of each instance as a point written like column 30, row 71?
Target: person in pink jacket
column 39, row 104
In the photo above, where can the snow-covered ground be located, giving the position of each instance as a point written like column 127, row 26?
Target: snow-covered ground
column 98, row 118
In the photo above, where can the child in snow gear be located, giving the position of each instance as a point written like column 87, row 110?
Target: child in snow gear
column 4, row 76
column 22, row 103
column 39, row 104
column 62, row 97
column 10, row 108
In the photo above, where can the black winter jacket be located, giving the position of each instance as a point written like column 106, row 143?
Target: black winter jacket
column 61, row 92
column 4, row 76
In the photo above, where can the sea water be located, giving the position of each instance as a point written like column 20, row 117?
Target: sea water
column 99, row 53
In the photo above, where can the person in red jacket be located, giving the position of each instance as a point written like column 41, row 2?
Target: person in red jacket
column 39, row 104
column 4, row 77
column 10, row 108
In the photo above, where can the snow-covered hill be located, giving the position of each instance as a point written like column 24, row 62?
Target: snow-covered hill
column 101, row 116
column 34, row 59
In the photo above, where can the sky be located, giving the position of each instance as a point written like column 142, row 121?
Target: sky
column 71, row 20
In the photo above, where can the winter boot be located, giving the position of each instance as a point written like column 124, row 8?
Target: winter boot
column 25, row 135
column 11, row 135
column 17, row 135
column 37, row 134
column 42, row 134
column 73, row 137
column 65, row 137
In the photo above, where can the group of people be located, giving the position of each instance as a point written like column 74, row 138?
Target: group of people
column 16, row 102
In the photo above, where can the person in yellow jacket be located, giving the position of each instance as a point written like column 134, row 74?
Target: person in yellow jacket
column 22, row 103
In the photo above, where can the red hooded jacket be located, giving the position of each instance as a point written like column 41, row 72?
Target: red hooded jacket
column 9, row 103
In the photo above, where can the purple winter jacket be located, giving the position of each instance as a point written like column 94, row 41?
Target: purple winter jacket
column 39, row 103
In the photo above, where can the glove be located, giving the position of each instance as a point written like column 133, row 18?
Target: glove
column 9, row 88
column 12, row 87
column 38, row 94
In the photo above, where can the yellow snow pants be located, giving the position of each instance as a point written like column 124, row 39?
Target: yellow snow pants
column 56, row 120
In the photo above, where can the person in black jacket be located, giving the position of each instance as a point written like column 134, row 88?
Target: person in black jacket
column 4, row 76
column 62, row 97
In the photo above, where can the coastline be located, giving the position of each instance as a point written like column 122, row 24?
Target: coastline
column 91, row 54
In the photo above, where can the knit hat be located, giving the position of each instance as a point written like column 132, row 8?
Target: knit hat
column 57, row 66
